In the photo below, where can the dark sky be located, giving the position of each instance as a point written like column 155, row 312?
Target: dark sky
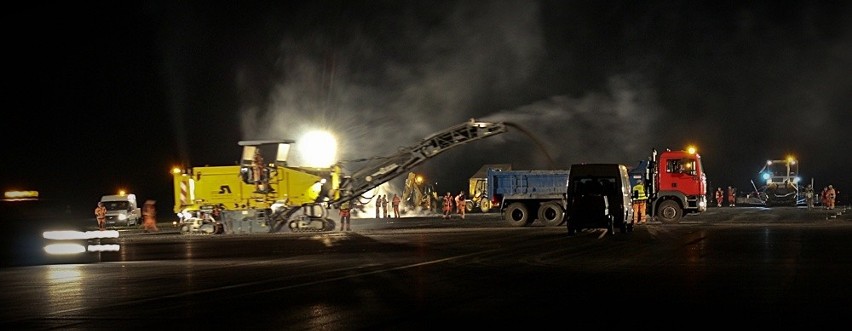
column 107, row 97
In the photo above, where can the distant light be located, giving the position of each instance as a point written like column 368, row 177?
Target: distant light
column 20, row 194
column 691, row 149
column 766, row 176
column 796, row 179
column 318, row 149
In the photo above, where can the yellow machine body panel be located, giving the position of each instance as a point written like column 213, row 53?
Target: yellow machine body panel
column 214, row 185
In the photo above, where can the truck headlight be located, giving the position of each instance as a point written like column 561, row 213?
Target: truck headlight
column 122, row 217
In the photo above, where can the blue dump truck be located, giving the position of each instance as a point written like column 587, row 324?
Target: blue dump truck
column 525, row 196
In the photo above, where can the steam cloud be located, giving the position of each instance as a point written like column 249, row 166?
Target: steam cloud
column 475, row 53
column 389, row 79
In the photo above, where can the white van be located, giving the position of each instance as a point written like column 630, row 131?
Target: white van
column 122, row 210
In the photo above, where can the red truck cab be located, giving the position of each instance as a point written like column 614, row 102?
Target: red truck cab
column 680, row 185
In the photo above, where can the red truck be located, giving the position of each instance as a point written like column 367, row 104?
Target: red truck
column 679, row 184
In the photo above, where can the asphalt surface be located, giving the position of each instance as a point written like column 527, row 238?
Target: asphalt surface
column 749, row 267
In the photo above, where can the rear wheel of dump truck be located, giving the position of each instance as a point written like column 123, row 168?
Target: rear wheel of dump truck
column 669, row 212
column 517, row 214
column 551, row 213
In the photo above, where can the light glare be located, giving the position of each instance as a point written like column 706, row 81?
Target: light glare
column 318, row 149
column 79, row 235
column 64, row 249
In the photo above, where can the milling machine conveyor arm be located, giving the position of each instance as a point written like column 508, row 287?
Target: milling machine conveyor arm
column 407, row 158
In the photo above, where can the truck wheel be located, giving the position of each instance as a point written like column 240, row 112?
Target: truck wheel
column 485, row 205
column 517, row 214
column 669, row 212
column 468, row 206
column 550, row 213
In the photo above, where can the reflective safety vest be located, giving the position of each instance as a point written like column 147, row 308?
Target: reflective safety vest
column 100, row 212
column 639, row 192
column 345, row 210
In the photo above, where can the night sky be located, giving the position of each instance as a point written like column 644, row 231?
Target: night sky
column 101, row 98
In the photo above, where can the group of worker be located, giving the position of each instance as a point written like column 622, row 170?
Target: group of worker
column 451, row 203
column 382, row 206
column 828, row 196
column 731, row 195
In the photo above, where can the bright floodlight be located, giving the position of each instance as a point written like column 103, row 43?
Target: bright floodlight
column 318, row 149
